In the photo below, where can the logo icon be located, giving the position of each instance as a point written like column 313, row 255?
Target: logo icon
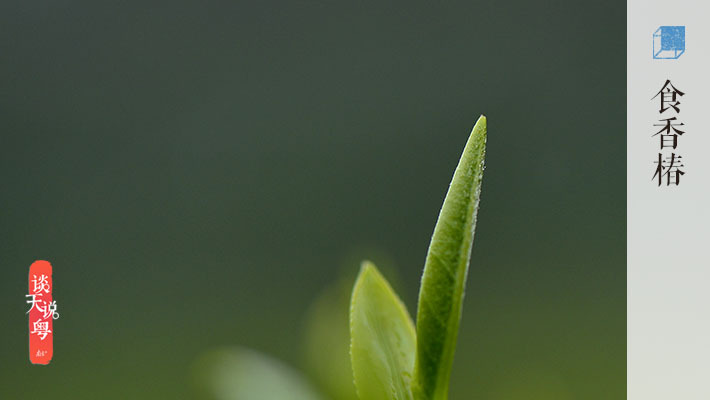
column 668, row 42
column 43, row 310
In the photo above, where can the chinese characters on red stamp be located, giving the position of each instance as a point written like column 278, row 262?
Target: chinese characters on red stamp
column 42, row 311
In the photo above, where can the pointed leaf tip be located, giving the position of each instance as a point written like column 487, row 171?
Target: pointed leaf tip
column 383, row 341
column 445, row 272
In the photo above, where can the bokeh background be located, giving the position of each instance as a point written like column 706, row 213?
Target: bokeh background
column 197, row 172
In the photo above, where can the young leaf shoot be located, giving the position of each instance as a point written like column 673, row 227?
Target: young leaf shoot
column 383, row 341
column 444, row 279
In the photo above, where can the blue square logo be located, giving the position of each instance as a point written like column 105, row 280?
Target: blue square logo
column 668, row 42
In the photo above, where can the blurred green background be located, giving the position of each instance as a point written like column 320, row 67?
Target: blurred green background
column 197, row 172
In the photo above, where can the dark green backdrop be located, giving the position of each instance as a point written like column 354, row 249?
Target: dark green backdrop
column 197, row 171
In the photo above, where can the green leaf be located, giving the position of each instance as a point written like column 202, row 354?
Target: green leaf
column 445, row 271
column 383, row 340
column 243, row 374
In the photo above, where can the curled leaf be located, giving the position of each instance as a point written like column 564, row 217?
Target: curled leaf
column 383, row 340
